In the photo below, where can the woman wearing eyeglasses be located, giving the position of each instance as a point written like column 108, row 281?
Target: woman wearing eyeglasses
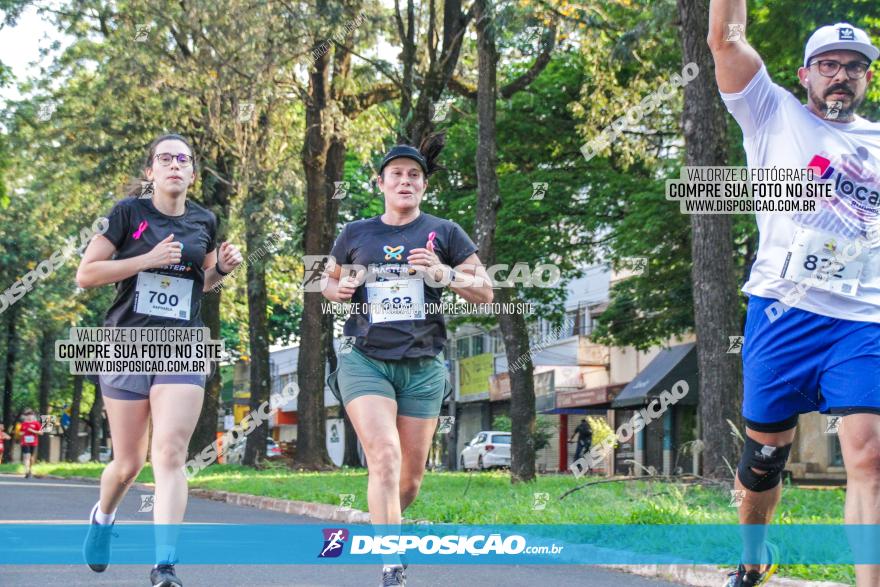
column 156, row 240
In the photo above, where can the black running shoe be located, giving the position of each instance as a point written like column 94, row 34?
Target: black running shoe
column 163, row 576
column 742, row 578
column 393, row 577
column 96, row 548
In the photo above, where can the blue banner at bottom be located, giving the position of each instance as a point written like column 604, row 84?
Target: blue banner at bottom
column 26, row 544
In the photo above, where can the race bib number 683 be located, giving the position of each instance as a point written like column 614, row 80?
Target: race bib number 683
column 395, row 300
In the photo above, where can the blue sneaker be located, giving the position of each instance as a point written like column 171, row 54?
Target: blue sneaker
column 96, row 548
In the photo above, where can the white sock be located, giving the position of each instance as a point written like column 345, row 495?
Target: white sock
column 101, row 517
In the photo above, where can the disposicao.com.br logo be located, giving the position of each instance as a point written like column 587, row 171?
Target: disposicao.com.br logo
column 334, row 541
column 430, row 544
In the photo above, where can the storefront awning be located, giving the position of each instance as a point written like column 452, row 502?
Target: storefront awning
column 671, row 365
column 564, row 411
column 581, row 411
column 595, row 397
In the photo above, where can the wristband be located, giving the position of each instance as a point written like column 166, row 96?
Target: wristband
column 442, row 273
column 219, row 271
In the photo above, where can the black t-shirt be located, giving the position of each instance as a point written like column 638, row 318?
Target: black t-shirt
column 584, row 432
column 382, row 249
column 157, row 297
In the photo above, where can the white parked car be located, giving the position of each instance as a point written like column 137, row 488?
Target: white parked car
column 103, row 455
column 490, row 448
column 235, row 453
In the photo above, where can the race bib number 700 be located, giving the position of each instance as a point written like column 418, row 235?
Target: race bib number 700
column 163, row 295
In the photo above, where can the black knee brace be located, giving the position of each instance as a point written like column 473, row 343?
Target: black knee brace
column 770, row 459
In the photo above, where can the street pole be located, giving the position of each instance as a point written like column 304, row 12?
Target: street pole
column 452, row 437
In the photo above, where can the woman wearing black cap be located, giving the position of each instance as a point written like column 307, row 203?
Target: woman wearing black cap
column 393, row 381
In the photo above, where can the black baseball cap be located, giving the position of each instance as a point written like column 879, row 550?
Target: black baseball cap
column 404, row 151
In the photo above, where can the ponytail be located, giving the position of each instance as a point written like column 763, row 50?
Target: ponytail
column 430, row 150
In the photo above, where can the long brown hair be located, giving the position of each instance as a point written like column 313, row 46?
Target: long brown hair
column 141, row 186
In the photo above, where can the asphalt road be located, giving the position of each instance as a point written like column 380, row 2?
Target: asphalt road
column 40, row 500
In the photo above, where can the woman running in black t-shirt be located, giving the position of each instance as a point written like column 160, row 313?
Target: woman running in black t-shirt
column 393, row 381
column 152, row 241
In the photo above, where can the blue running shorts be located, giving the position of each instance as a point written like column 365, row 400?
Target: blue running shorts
column 796, row 362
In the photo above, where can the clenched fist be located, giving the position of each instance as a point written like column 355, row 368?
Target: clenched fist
column 166, row 252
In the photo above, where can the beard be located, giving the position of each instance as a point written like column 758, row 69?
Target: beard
column 845, row 110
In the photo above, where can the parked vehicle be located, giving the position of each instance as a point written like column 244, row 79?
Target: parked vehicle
column 103, row 455
column 235, row 453
column 488, row 449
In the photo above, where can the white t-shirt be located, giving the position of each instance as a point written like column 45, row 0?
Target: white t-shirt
column 779, row 131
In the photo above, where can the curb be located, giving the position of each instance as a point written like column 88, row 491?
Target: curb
column 707, row 575
column 693, row 575
column 323, row 511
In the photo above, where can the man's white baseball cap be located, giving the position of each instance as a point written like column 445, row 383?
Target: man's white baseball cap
column 841, row 36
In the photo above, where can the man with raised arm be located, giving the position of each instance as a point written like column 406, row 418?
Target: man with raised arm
column 812, row 335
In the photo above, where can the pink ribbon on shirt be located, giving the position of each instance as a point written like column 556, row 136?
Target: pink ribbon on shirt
column 430, row 244
column 141, row 228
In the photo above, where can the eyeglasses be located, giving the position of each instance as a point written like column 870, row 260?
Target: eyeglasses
column 165, row 159
column 854, row 69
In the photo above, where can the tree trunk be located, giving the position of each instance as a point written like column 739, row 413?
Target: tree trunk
column 47, row 361
column 349, row 454
column 215, row 195
column 71, row 435
column 713, row 273
column 105, row 429
column 258, row 301
column 352, row 457
column 513, row 327
column 205, row 431
column 439, row 71
column 96, row 417
column 9, row 370
column 311, row 447
column 488, row 196
column 258, row 330
column 323, row 158
column 408, row 55
column 522, row 390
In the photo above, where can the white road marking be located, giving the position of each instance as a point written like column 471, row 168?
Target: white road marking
column 118, row 523
column 41, row 484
